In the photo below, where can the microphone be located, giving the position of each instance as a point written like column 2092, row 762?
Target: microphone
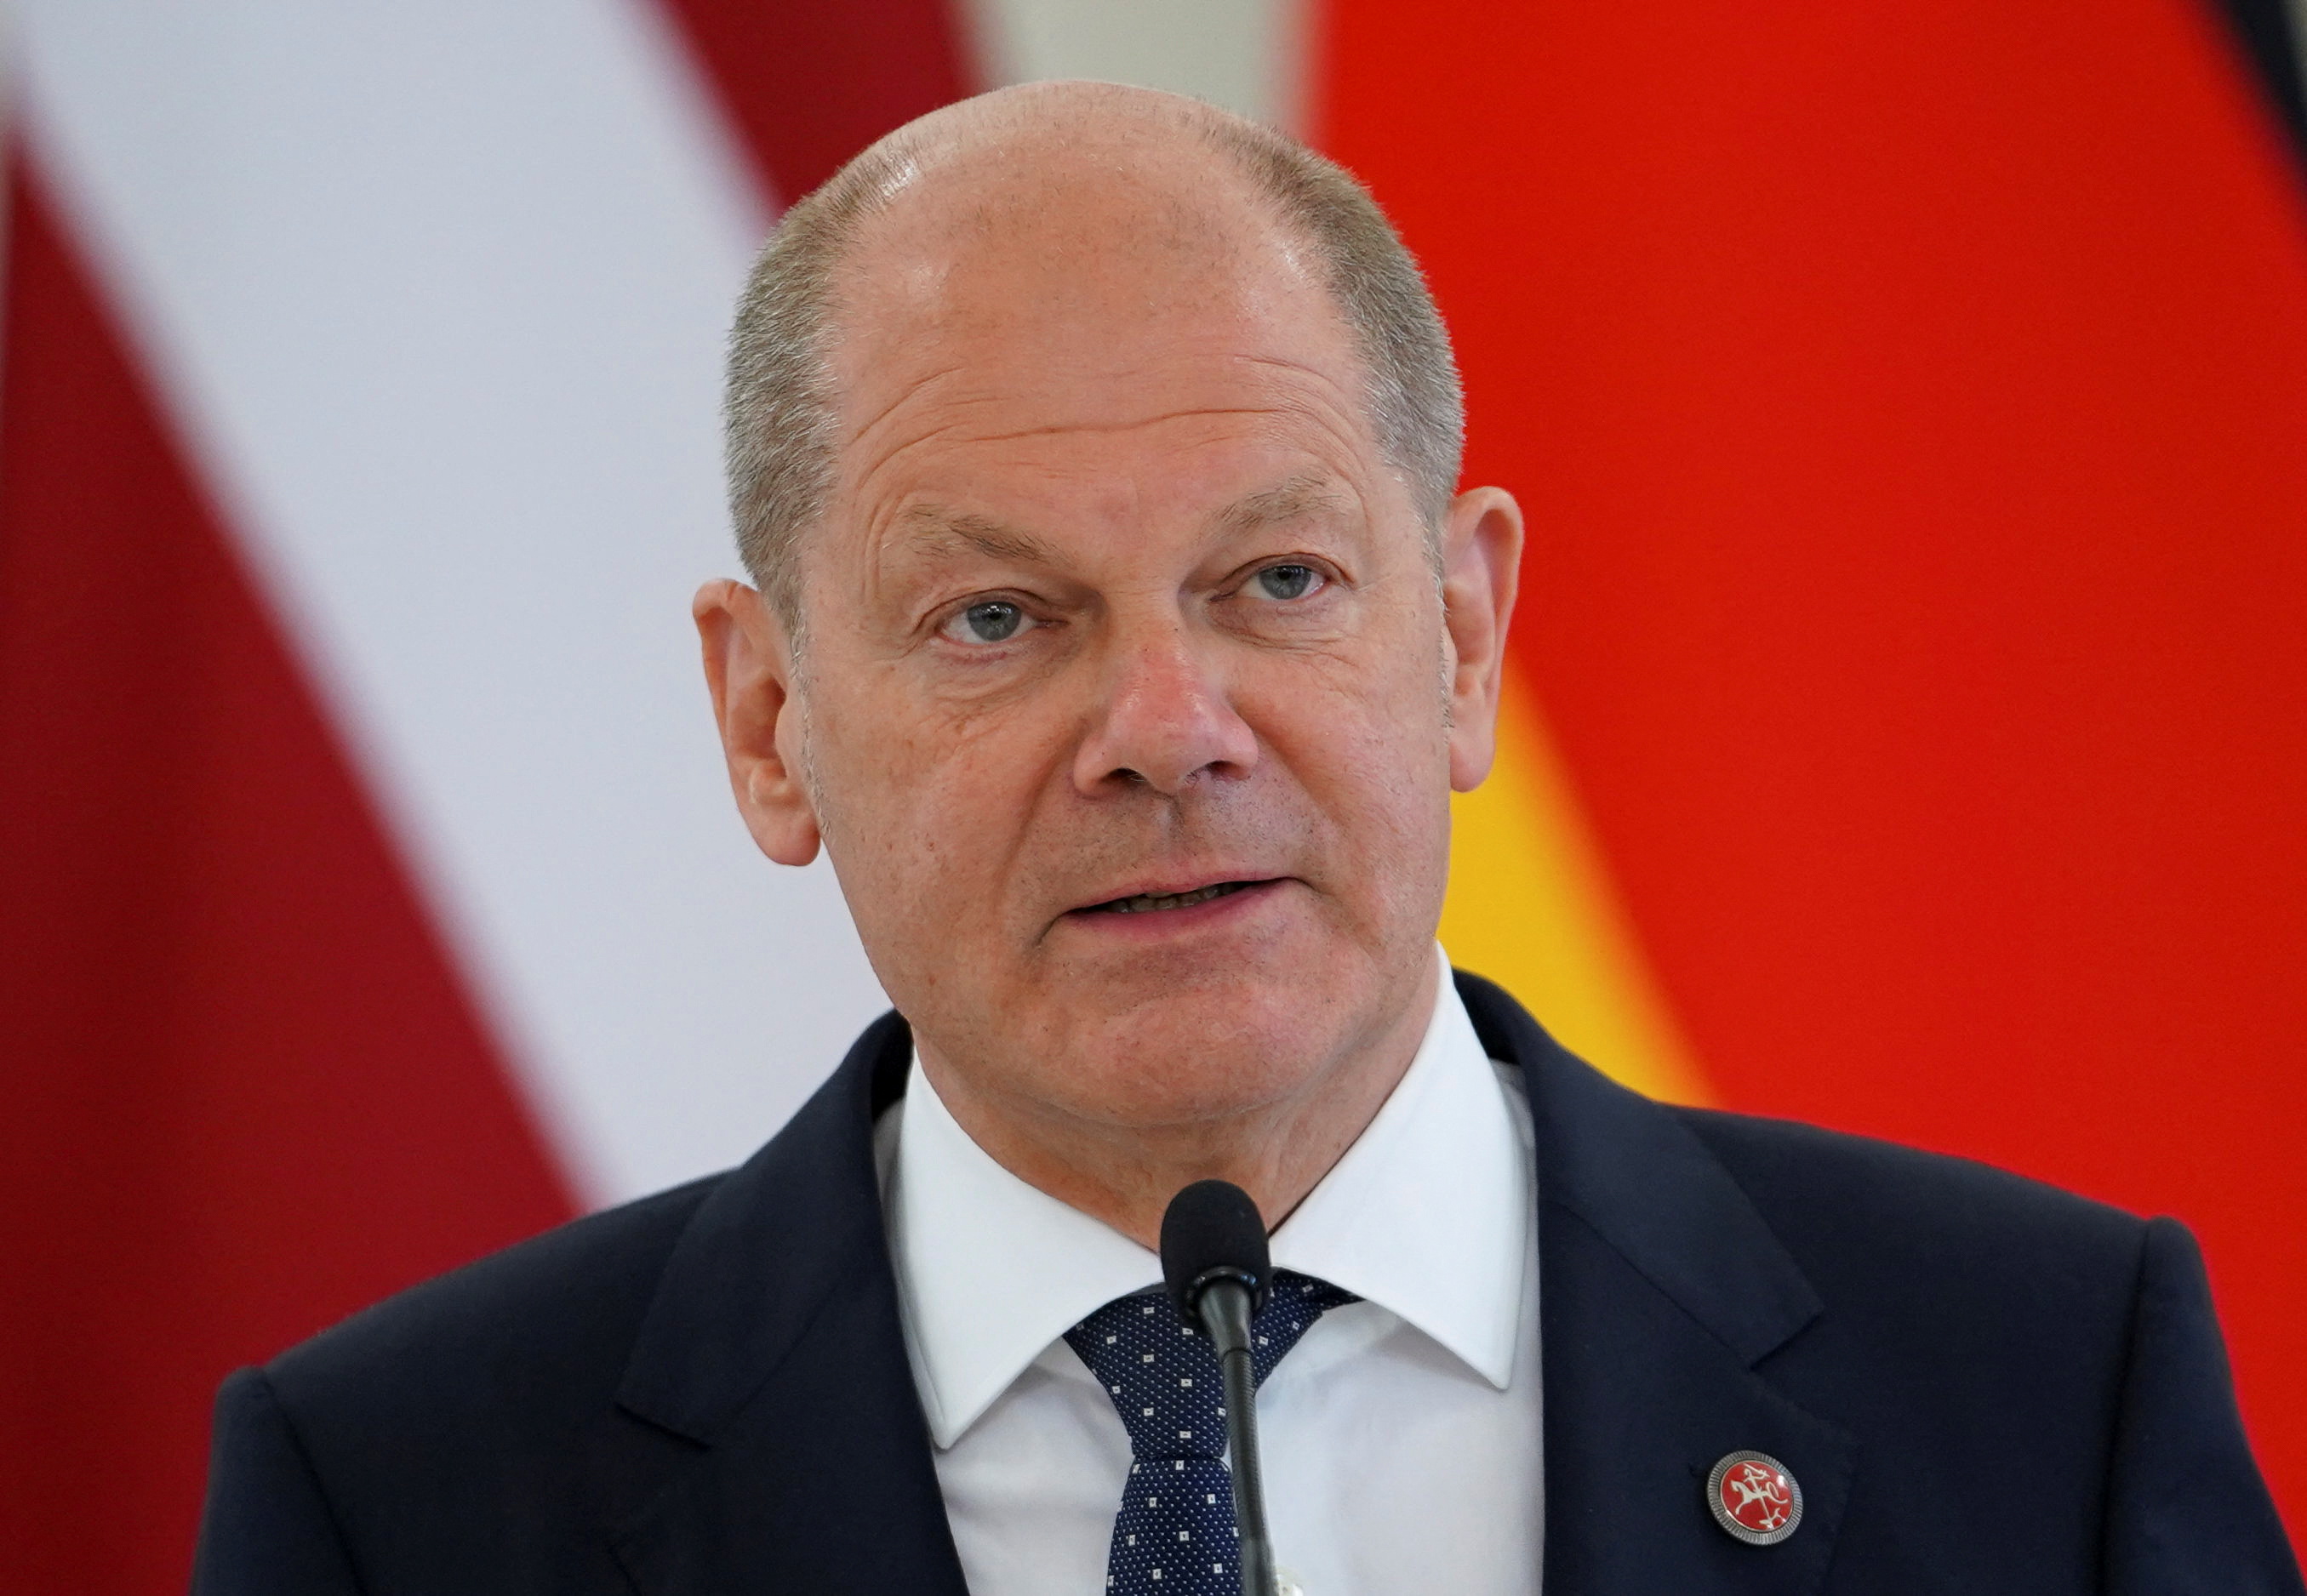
column 1214, row 1262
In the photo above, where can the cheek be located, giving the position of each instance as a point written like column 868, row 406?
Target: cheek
column 925, row 805
column 1364, row 737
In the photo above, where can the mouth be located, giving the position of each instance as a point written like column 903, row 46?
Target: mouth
column 1141, row 903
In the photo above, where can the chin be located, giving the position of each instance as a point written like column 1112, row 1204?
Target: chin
column 1201, row 1055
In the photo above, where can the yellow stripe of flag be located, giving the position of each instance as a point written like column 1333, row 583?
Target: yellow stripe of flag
column 1532, row 906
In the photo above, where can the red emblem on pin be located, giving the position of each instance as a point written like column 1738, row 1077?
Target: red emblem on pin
column 1754, row 1498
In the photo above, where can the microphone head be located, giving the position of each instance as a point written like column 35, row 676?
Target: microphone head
column 1212, row 1230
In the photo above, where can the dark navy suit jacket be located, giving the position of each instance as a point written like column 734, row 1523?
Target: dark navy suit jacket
column 1981, row 1384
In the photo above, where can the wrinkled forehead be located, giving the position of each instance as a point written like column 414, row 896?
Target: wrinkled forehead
column 1056, row 287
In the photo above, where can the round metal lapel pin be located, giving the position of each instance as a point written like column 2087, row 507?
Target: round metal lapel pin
column 1754, row 1498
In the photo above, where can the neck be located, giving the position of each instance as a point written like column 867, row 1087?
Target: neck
column 1125, row 1174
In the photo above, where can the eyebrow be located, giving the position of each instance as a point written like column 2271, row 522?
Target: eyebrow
column 947, row 532
column 954, row 532
column 1307, row 494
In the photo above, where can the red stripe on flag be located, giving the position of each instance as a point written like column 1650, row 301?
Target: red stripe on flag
column 1913, row 405
column 809, row 83
column 245, row 1091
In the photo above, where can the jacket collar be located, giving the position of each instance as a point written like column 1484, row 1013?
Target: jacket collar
column 774, row 1438
column 1636, row 1175
column 1662, row 1292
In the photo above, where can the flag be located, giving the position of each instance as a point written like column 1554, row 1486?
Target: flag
column 1902, row 729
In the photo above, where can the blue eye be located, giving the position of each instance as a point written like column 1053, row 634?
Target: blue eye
column 1286, row 582
column 996, row 620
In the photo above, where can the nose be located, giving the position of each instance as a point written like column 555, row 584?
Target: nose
column 1165, row 720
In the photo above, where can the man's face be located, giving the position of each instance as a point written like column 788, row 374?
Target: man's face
column 1124, row 698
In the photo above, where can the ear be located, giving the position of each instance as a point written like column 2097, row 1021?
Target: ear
column 1481, row 565
column 749, row 667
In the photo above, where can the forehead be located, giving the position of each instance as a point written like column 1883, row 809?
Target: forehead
column 1089, row 303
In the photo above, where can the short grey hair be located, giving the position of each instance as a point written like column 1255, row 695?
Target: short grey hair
column 780, row 407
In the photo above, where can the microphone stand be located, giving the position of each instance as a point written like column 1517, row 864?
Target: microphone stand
column 1215, row 1264
column 1224, row 1307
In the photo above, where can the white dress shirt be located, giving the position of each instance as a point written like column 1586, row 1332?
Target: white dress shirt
column 1400, row 1435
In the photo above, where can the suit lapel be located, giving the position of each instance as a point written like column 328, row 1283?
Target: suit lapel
column 1662, row 1295
column 773, row 1438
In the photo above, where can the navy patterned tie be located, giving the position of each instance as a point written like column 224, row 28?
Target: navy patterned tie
column 1174, row 1535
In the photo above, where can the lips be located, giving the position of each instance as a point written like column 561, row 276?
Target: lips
column 1155, row 902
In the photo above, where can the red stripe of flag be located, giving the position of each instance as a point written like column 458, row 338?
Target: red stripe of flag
column 809, row 83
column 246, row 1090
column 1913, row 405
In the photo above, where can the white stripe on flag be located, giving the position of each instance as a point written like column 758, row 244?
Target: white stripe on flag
column 435, row 292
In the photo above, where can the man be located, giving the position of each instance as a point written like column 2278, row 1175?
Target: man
column 1120, row 633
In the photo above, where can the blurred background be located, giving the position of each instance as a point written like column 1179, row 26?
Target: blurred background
column 1908, row 721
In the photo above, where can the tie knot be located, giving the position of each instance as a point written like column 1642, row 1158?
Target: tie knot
column 1162, row 1375
column 1174, row 1532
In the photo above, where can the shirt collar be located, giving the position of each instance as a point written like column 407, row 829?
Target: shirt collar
column 1428, row 1214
